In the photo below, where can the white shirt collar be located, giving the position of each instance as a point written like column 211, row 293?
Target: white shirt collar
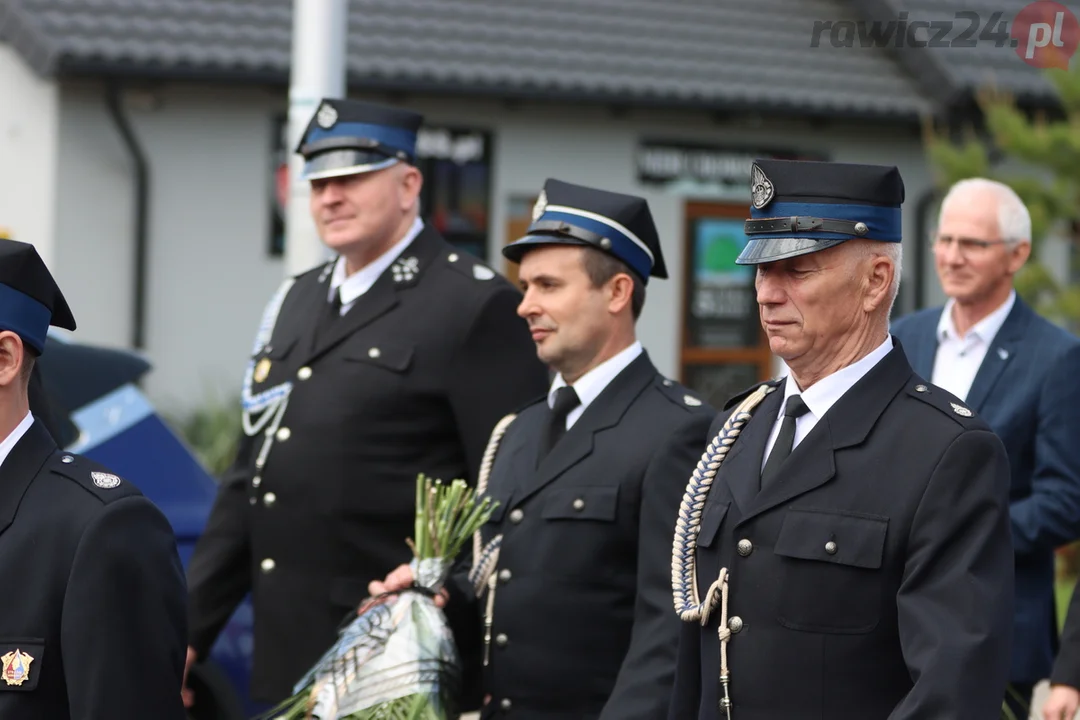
column 823, row 394
column 361, row 281
column 16, row 435
column 589, row 386
column 985, row 330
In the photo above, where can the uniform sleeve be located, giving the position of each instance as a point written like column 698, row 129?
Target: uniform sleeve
column 494, row 372
column 643, row 687
column 1067, row 664
column 219, row 572
column 1050, row 516
column 955, row 603
column 124, row 635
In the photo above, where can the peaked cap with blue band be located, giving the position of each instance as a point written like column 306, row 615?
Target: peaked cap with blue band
column 346, row 137
column 619, row 225
column 803, row 206
column 30, row 300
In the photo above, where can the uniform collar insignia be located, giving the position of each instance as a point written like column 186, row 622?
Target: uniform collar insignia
column 405, row 269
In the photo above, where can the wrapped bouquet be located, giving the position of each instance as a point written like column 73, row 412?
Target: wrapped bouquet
column 397, row 660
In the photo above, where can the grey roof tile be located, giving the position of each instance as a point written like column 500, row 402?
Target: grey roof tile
column 713, row 53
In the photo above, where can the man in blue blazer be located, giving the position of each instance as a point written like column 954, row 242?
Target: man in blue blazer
column 1021, row 374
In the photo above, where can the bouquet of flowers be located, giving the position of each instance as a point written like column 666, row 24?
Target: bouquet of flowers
column 397, row 660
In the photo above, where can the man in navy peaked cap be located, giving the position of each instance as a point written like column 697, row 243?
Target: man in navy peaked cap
column 94, row 622
column 395, row 358
column 577, row 602
column 848, row 555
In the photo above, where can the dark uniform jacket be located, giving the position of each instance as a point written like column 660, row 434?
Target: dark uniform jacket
column 93, row 623
column 410, row 380
column 583, row 619
column 873, row 579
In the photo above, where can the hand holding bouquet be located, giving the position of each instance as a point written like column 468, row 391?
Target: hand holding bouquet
column 397, row 660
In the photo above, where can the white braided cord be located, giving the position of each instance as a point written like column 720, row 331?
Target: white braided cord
column 485, row 558
column 688, row 603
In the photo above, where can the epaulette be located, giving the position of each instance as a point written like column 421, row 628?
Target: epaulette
column 97, row 480
column 775, row 382
column 946, row 402
column 469, row 266
column 678, row 393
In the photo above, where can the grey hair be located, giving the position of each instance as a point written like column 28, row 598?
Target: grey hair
column 1014, row 220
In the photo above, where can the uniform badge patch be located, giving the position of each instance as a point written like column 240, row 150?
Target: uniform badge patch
column 105, row 480
column 327, row 116
column 482, row 273
column 405, row 269
column 761, row 188
column 16, row 669
column 262, row 369
column 961, row 410
column 691, row 400
column 540, row 206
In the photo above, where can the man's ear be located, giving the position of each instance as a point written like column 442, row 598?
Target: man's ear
column 11, row 358
column 1018, row 256
column 412, row 181
column 620, row 292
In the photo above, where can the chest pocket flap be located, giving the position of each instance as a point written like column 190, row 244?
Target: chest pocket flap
column 389, row 356
column 853, row 539
column 583, row 503
column 22, row 660
column 711, row 517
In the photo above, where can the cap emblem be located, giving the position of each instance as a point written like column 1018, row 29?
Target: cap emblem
column 761, row 188
column 327, row 116
column 540, row 206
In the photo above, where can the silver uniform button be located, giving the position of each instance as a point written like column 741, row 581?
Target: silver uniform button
column 269, row 499
column 745, row 547
column 920, row 388
column 67, row 459
column 517, row 515
column 452, row 257
column 830, row 547
column 505, row 704
column 304, row 373
column 501, row 640
column 374, row 352
column 579, row 504
column 505, row 575
column 252, row 501
column 256, row 481
column 735, row 624
column 283, row 434
column 267, row 565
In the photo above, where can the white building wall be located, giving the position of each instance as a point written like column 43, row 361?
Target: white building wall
column 29, row 110
column 208, row 149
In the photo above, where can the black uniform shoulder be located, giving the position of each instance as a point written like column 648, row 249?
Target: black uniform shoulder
column 736, row 399
column 681, row 396
column 95, row 479
column 471, row 273
column 945, row 403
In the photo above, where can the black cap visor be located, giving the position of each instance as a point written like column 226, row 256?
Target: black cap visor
column 345, row 161
column 764, row 250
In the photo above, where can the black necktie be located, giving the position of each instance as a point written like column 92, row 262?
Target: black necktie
column 793, row 410
column 330, row 314
column 566, row 399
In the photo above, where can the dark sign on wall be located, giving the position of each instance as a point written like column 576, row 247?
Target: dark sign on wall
column 667, row 163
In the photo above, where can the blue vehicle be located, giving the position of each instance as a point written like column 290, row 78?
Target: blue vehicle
column 95, row 408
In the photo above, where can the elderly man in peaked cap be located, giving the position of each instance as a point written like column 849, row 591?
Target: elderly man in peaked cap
column 396, row 358
column 94, row 619
column 848, row 527
column 572, row 578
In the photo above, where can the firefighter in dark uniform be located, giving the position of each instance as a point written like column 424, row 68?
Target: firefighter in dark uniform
column 571, row 573
column 848, row 525
column 394, row 359
column 94, row 619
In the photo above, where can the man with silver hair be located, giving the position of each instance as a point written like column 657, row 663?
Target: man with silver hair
column 842, row 550
column 1019, row 372
column 395, row 358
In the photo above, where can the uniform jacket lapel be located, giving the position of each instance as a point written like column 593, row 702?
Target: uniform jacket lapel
column 378, row 300
column 742, row 466
column 20, row 468
column 1005, row 346
column 847, row 423
column 604, row 412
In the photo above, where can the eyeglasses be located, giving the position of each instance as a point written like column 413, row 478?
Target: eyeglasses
column 968, row 247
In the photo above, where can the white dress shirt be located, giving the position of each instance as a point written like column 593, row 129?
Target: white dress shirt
column 823, row 394
column 589, row 386
column 355, row 285
column 11, row 440
column 958, row 358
